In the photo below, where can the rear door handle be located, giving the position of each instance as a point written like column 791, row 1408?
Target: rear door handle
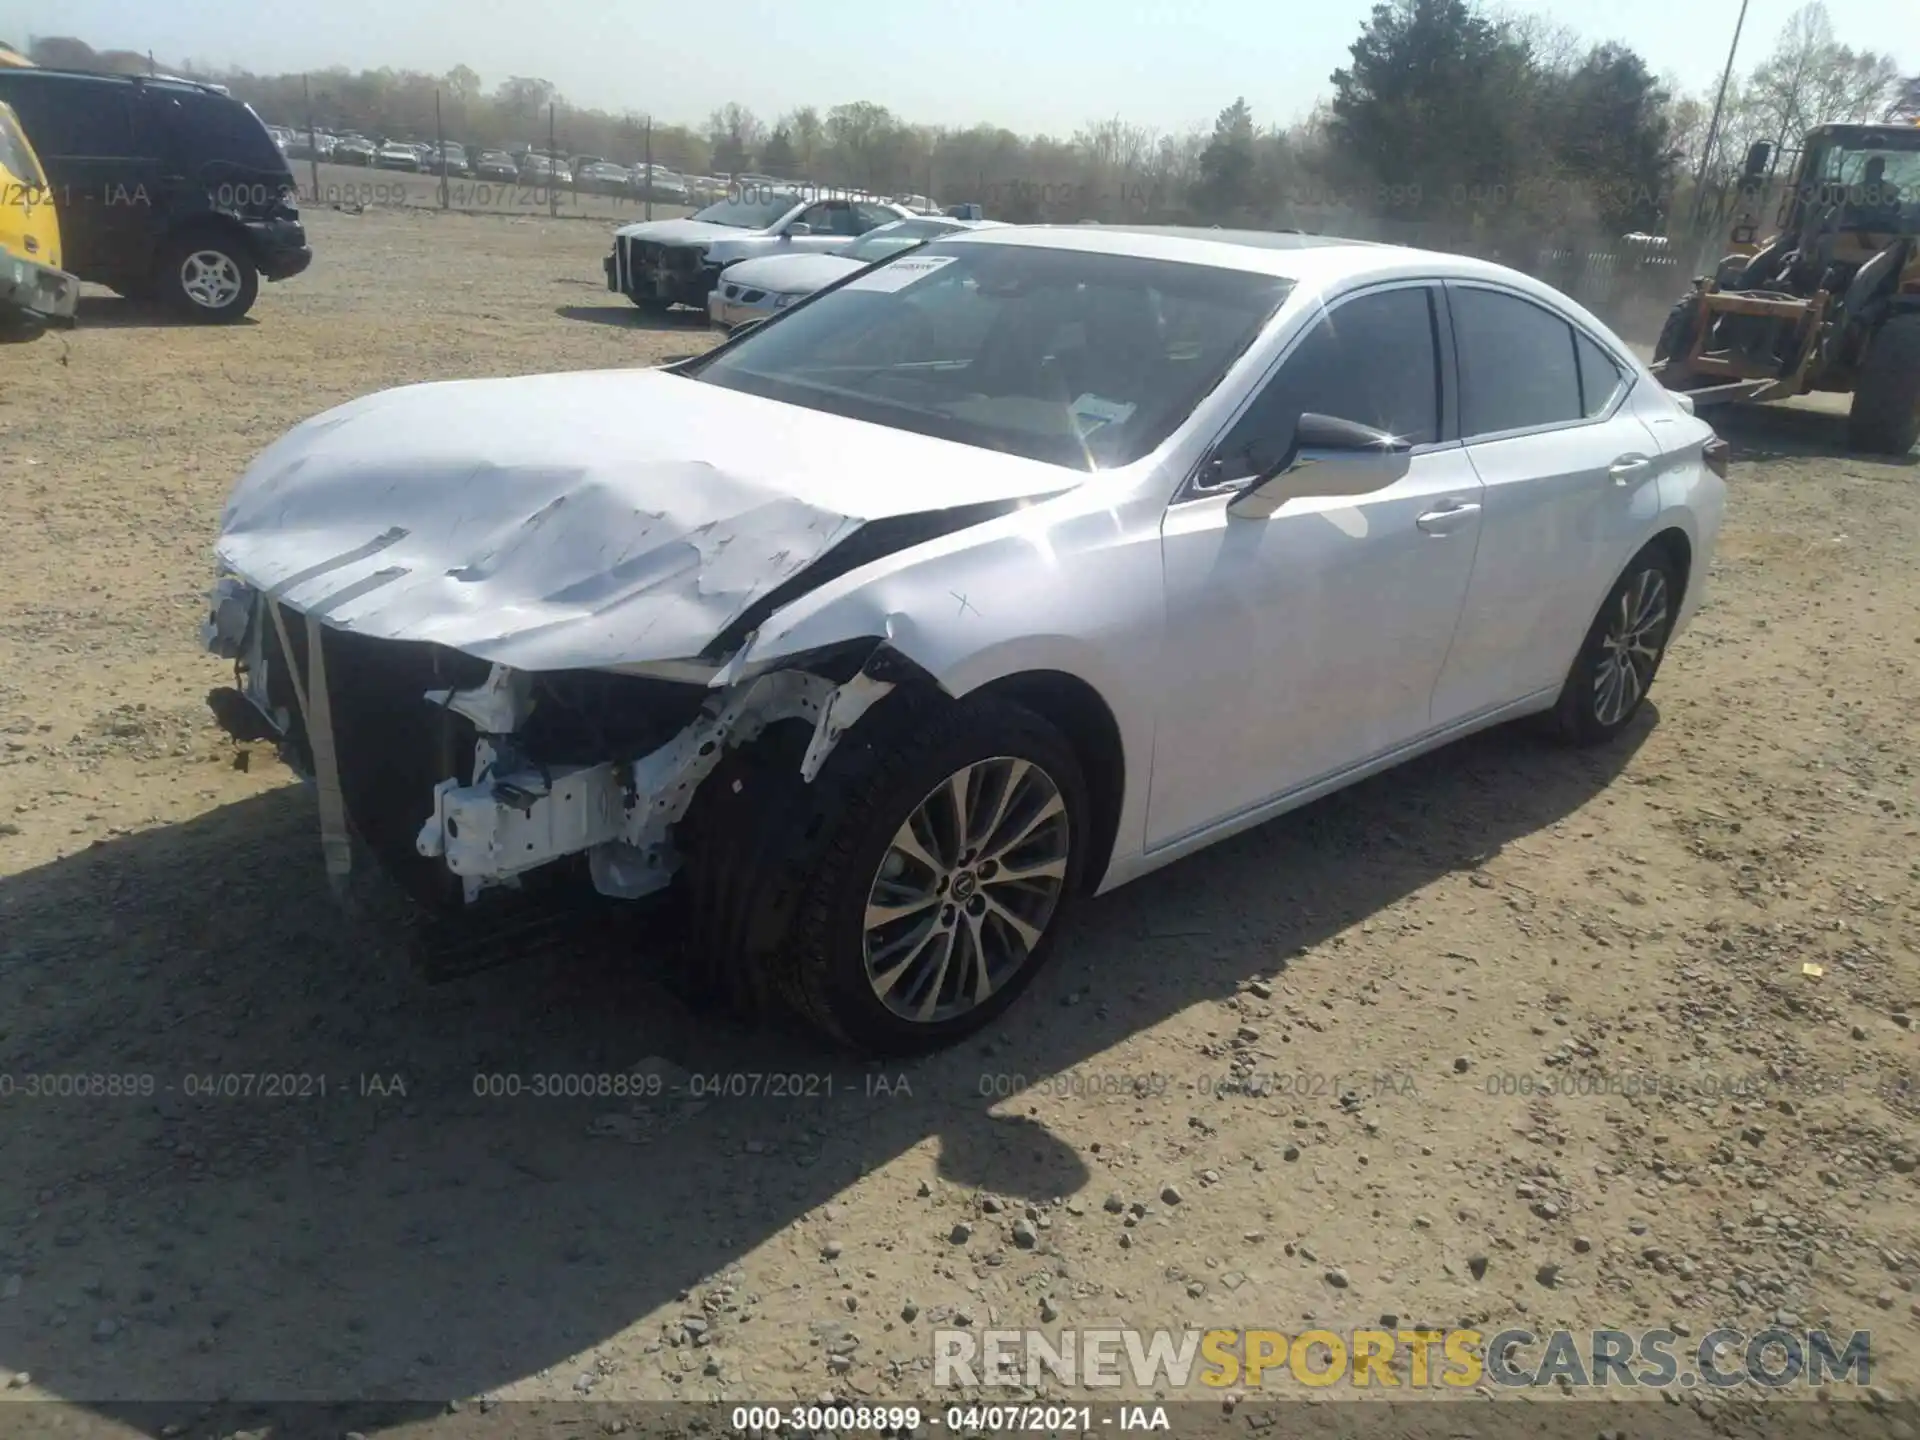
column 1448, row 519
column 1629, row 468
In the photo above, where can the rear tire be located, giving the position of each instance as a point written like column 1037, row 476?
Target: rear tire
column 786, row 894
column 1885, row 418
column 1618, row 660
column 208, row 279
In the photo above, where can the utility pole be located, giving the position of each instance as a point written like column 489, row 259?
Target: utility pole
column 1713, row 125
column 313, row 142
column 440, row 150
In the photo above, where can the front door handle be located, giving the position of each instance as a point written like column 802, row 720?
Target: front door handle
column 1629, row 468
column 1448, row 519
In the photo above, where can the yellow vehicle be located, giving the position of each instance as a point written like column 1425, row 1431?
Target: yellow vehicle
column 1831, row 301
column 34, row 291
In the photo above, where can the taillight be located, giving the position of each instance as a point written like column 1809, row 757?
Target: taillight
column 1715, row 454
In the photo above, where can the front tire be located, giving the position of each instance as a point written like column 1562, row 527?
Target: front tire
column 1676, row 335
column 1885, row 418
column 905, row 898
column 1614, row 670
column 208, row 279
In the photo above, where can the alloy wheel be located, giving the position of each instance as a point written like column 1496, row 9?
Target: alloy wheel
column 210, row 279
column 1630, row 649
column 966, row 889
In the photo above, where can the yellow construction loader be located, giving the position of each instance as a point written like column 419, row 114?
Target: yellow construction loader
column 1831, row 301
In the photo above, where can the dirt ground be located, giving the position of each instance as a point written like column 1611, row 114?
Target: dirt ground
column 1534, row 1038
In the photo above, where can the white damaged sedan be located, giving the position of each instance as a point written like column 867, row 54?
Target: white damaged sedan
column 997, row 575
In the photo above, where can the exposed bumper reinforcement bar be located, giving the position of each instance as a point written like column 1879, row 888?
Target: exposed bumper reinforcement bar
column 516, row 815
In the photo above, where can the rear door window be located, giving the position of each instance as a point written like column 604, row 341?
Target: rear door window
column 73, row 119
column 1517, row 365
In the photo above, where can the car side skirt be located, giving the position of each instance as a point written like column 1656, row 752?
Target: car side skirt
column 1133, row 867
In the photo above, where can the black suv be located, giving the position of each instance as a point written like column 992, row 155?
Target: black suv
column 167, row 190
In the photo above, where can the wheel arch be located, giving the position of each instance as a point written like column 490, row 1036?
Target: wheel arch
column 1677, row 546
column 1081, row 714
column 209, row 223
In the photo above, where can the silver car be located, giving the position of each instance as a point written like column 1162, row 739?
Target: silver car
column 754, row 290
column 1005, row 572
column 661, row 263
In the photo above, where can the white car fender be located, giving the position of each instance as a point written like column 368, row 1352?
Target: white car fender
column 1015, row 595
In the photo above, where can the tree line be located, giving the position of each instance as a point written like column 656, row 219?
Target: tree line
column 1450, row 123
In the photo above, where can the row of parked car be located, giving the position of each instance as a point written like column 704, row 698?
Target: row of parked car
column 526, row 165
column 760, row 250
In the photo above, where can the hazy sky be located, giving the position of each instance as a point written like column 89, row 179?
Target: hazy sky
column 1032, row 65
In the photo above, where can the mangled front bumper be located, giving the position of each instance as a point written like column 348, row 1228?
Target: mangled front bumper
column 653, row 270
column 459, row 774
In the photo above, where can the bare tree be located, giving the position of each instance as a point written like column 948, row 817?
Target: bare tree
column 463, row 85
column 737, row 135
column 807, row 135
column 1811, row 79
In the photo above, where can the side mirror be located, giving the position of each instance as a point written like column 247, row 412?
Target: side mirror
column 799, row 227
column 1329, row 457
column 1758, row 154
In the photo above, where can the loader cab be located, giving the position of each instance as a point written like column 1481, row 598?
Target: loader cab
column 1863, row 181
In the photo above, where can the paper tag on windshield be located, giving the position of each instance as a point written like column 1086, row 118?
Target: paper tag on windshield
column 901, row 273
column 1091, row 413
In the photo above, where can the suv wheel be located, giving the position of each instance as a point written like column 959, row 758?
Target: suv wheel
column 209, row 279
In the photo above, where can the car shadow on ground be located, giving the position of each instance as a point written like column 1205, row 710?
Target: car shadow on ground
column 1789, row 432
column 630, row 317
column 111, row 312
column 208, row 1243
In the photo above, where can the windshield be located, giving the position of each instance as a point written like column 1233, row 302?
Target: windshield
column 16, row 159
column 1082, row 360
column 1876, row 186
column 753, row 210
column 891, row 239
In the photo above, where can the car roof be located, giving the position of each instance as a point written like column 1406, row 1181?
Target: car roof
column 1319, row 265
column 157, row 82
column 1316, row 259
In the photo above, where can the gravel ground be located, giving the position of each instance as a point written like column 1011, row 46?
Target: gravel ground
column 1509, row 1036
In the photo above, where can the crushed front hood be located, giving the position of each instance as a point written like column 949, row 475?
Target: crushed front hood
column 578, row 520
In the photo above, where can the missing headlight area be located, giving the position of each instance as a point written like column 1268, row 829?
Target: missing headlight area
column 459, row 775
